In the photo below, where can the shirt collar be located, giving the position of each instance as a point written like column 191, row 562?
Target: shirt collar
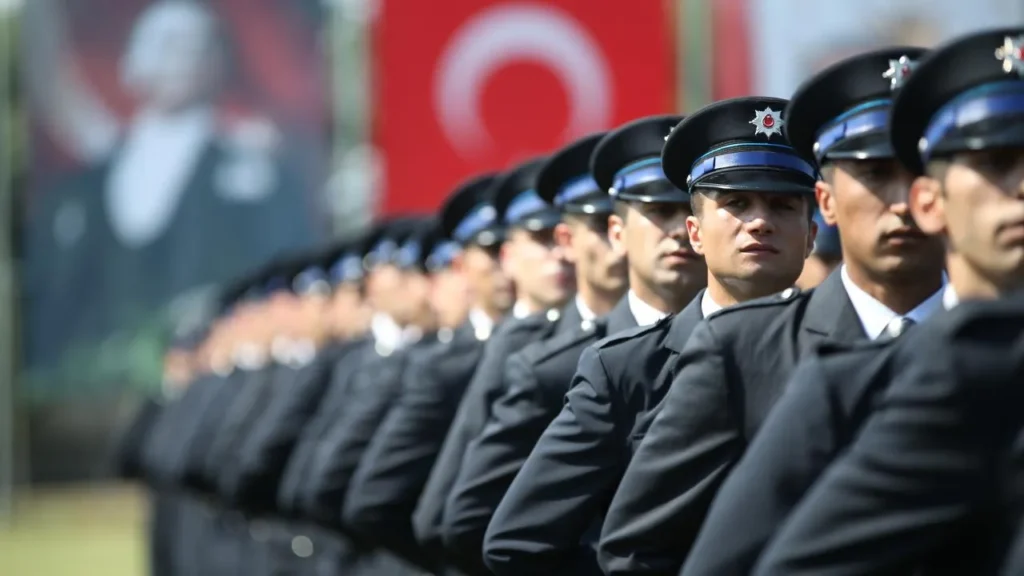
column 643, row 313
column 520, row 309
column 708, row 306
column 586, row 314
column 482, row 324
column 949, row 298
column 389, row 335
column 875, row 316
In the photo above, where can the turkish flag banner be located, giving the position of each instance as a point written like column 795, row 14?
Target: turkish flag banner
column 465, row 86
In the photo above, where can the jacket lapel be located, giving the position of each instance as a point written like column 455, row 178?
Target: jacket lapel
column 620, row 318
column 684, row 323
column 830, row 316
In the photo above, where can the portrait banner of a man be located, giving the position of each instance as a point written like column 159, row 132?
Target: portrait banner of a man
column 175, row 144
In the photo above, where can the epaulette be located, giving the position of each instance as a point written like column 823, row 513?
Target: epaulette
column 783, row 298
column 634, row 333
column 567, row 340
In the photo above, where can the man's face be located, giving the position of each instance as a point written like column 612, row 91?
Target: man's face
column 184, row 62
column 868, row 200
column 488, row 282
column 586, row 244
column 413, row 307
column 384, row 285
column 449, row 297
column 980, row 206
column 348, row 314
column 753, row 237
column 538, row 266
column 653, row 239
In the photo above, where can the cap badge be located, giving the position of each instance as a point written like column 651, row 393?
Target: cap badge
column 767, row 122
column 1012, row 55
column 899, row 71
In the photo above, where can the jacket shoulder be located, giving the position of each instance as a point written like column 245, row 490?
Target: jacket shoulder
column 765, row 305
column 635, row 337
column 565, row 342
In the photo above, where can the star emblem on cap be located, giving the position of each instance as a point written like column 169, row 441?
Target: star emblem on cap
column 899, row 70
column 767, row 122
column 1012, row 55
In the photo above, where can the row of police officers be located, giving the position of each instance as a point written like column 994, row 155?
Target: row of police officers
column 598, row 361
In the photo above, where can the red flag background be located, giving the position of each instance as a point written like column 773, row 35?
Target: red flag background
column 464, row 86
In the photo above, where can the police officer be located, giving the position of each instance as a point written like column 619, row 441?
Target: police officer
column 386, row 486
column 542, row 280
column 955, row 125
column 891, row 273
column 536, row 378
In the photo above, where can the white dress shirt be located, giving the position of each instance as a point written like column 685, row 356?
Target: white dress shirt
column 643, row 313
column 949, row 298
column 586, row 314
column 875, row 316
column 708, row 306
column 482, row 324
column 520, row 309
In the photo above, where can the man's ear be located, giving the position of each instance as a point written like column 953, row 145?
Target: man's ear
column 927, row 205
column 812, row 235
column 507, row 260
column 693, row 231
column 617, row 233
column 826, row 201
column 563, row 237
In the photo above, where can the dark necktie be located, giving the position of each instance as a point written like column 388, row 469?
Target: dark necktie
column 897, row 326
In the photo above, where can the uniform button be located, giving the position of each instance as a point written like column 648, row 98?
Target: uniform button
column 787, row 293
column 586, row 325
column 553, row 314
column 302, row 546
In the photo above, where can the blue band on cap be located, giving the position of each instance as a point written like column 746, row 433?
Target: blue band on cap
column 309, row 280
column 710, row 163
column 639, row 172
column 348, row 268
column 981, row 103
column 409, row 254
column 578, row 187
column 527, row 202
column 476, row 220
column 442, row 255
column 868, row 117
column 384, row 251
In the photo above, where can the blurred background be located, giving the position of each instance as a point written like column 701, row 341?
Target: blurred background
column 153, row 149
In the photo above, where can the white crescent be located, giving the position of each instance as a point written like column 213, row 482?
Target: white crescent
column 516, row 32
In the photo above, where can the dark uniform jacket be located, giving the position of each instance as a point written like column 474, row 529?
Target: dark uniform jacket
column 569, row 478
column 824, row 405
column 936, row 475
column 484, row 387
column 234, row 421
column 535, row 383
column 387, row 484
column 297, row 390
column 733, row 370
column 292, row 489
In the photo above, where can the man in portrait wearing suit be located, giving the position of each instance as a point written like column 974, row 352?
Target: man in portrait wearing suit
column 183, row 200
